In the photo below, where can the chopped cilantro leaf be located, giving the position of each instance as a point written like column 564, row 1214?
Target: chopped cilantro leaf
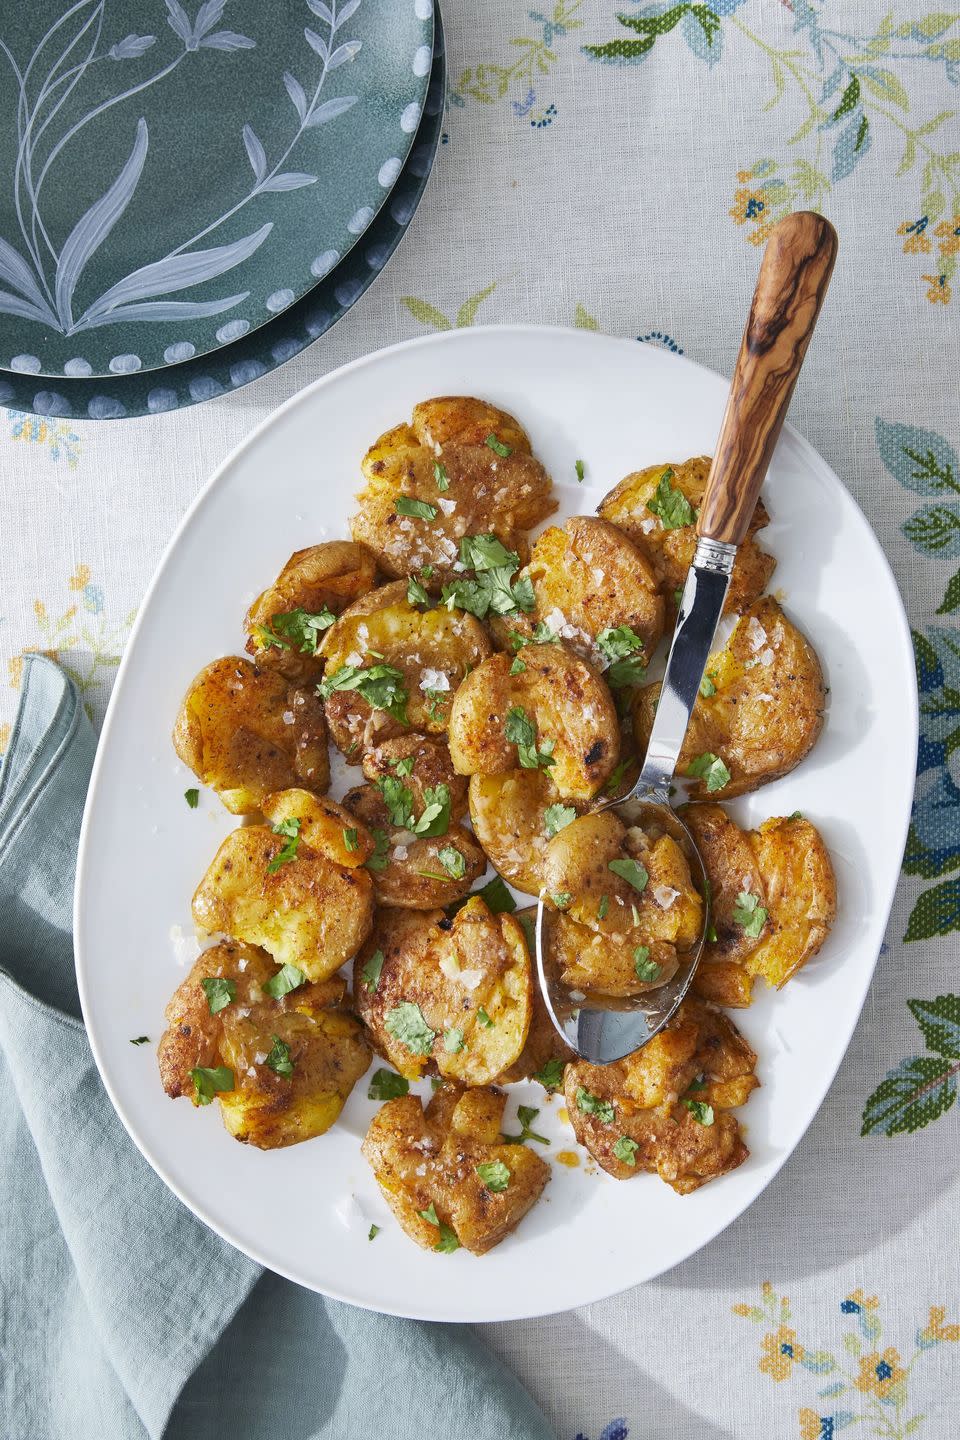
column 386, row 1085
column 430, row 1214
column 398, row 800
column 279, row 1058
column 707, row 687
column 287, row 978
column 497, row 897
column 403, row 767
column 452, row 861
column 448, row 1241
column 526, row 1114
column 561, row 898
column 497, row 446
column 580, row 470
column 220, row 992
column 603, row 907
column 557, row 818
column 622, row 673
column 453, row 1040
column 405, row 1023
column 616, row 777
column 749, row 913
column 192, row 798
column 351, row 840
column 290, row 829
column 795, row 815
column 381, row 686
column 625, row 1150
column 495, row 1175
column 701, row 1111
column 617, row 643
column 380, row 858
column 542, row 635
column 670, row 504
column 435, row 818
column 517, row 668
column 521, row 731
column 298, row 626
column 371, row 971
column 646, row 968
column 592, row 1104
column 486, row 552
column 631, row 871
column 373, row 1232
column 484, row 1019
column 207, row 1083
column 550, row 1075
column 440, row 476
column 419, row 509
column 141, row 1040
column 416, row 595
column 711, row 770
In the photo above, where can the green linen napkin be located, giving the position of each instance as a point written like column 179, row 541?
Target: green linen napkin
column 121, row 1315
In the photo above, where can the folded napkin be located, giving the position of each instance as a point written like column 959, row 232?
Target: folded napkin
column 121, row 1315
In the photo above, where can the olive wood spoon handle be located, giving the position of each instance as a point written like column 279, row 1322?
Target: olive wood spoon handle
column 794, row 275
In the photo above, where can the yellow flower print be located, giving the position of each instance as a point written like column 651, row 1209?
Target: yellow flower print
column 917, row 241
column 15, row 670
column 759, row 235
column 40, row 610
column 948, row 233
column 747, row 205
column 780, row 1353
column 880, row 1373
column 856, row 1300
column 4, row 737
column 810, row 1427
column 936, row 1330
column 940, row 291
column 80, row 578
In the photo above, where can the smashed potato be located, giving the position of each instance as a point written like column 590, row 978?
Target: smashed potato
column 285, row 622
column 445, row 1173
column 670, row 542
column 588, row 578
column 463, row 468
column 422, row 655
column 773, row 901
column 323, row 825
column 556, row 714
column 764, row 713
column 665, row 1109
column 509, row 816
column 627, row 905
column 291, row 1060
column 294, row 900
column 431, row 766
column 546, row 1053
column 412, row 871
column 453, row 992
column 245, row 732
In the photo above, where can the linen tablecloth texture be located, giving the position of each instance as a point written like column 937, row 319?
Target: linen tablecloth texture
column 614, row 164
column 121, row 1315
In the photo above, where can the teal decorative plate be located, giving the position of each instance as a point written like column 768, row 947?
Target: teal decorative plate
column 177, row 172
column 274, row 343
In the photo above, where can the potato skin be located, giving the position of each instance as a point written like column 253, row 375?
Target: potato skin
column 414, row 642
column 327, row 1048
column 644, row 1090
column 414, row 877
column 311, row 912
column 432, row 766
column 331, row 575
column 232, row 732
column 507, row 813
column 451, row 970
column 431, row 1158
column 788, row 869
column 671, row 551
column 589, row 577
column 767, row 712
column 565, row 699
column 487, row 493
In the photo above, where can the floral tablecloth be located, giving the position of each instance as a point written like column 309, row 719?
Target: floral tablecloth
column 619, row 169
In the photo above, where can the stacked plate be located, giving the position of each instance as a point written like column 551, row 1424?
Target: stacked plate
column 191, row 193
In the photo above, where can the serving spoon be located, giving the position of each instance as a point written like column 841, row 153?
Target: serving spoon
column 794, row 275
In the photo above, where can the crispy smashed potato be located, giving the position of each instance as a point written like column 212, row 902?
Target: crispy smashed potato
column 412, row 871
column 774, row 900
column 764, row 714
column 546, row 1052
column 314, row 584
column 497, row 488
column 671, row 549
column 508, row 813
column 453, row 992
column 560, row 696
column 431, row 767
column 324, row 825
column 293, row 1060
column 619, row 930
column 429, row 652
column 246, row 732
column 665, row 1109
column 448, row 1163
column 587, row 578
column 306, row 910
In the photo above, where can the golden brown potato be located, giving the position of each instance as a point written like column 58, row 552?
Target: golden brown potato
column 486, row 491
column 560, row 696
column 291, row 1061
column 314, row 584
column 245, row 732
column 412, row 871
column 324, row 825
column 445, row 1174
column 546, row 1053
column 431, row 767
column 664, row 1109
column 621, row 929
column 587, row 578
column 671, row 549
column 455, row 992
column 509, row 815
column 427, row 651
column 306, row 910
column 765, row 713
column 774, row 900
